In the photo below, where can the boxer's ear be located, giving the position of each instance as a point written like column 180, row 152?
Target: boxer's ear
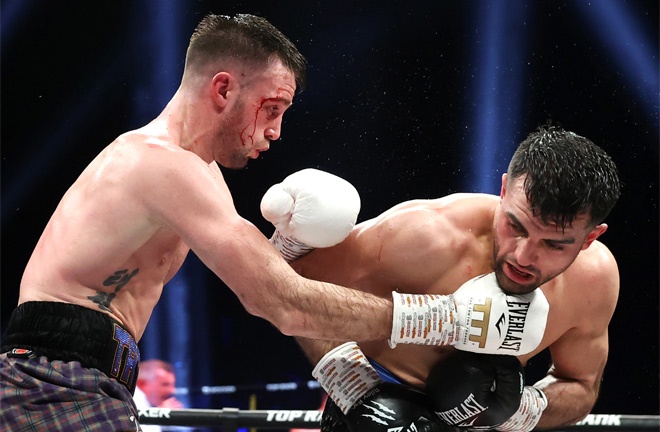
column 222, row 84
column 593, row 235
column 503, row 187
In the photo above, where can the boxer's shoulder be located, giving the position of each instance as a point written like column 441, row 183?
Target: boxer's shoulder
column 459, row 209
column 431, row 228
column 586, row 293
column 594, row 267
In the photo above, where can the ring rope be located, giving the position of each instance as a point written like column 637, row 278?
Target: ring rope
column 230, row 419
column 209, row 390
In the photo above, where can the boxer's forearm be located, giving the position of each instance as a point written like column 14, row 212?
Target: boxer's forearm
column 331, row 312
column 268, row 287
column 568, row 402
column 314, row 349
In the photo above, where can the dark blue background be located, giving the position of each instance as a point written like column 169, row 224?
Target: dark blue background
column 395, row 103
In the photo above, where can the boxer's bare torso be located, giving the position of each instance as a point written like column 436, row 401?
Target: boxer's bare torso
column 124, row 227
column 434, row 246
column 103, row 235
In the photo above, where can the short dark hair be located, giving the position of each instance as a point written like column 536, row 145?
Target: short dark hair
column 246, row 38
column 566, row 175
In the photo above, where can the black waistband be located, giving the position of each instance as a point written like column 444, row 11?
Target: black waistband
column 67, row 332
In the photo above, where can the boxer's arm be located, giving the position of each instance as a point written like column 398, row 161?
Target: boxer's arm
column 569, row 390
column 579, row 356
column 573, row 381
column 314, row 349
column 181, row 191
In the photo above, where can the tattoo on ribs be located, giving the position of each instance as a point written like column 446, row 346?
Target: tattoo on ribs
column 120, row 279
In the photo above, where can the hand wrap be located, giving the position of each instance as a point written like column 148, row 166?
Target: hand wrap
column 525, row 419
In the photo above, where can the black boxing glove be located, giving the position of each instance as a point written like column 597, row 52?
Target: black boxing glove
column 359, row 400
column 479, row 391
column 385, row 408
column 333, row 420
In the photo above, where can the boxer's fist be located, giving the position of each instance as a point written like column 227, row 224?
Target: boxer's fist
column 387, row 407
column 478, row 317
column 310, row 209
column 475, row 390
column 492, row 322
column 359, row 401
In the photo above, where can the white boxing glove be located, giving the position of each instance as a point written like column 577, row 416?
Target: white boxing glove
column 310, row 209
column 478, row 317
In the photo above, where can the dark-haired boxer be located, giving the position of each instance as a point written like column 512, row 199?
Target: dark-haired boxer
column 538, row 237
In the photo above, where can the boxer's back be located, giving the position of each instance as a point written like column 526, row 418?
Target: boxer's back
column 420, row 246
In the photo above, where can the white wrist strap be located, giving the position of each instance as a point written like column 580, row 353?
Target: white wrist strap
column 532, row 404
column 346, row 375
column 428, row 319
column 289, row 247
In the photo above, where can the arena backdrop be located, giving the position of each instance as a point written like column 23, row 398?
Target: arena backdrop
column 405, row 99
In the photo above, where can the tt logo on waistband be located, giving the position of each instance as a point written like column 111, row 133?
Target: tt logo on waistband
column 127, row 356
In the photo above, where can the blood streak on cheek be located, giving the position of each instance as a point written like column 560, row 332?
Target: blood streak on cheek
column 245, row 133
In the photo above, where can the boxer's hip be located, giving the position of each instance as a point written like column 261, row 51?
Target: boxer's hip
column 67, row 332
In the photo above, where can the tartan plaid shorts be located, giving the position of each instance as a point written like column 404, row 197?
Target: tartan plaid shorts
column 38, row 395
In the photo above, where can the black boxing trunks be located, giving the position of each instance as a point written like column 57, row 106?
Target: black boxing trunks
column 67, row 332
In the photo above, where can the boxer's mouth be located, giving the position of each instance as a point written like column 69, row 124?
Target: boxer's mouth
column 517, row 275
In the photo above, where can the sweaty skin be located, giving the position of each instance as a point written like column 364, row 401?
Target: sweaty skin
column 434, row 246
column 125, row 226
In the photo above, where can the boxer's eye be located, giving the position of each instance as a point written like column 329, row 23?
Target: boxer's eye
column 516, row 228
column 554, row 246
column 272, row 111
